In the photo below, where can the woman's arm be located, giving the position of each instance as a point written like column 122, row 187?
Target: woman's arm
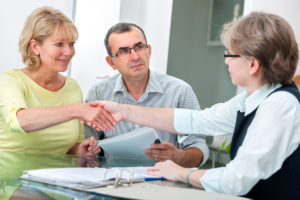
column 159, row 118
column 33, row 119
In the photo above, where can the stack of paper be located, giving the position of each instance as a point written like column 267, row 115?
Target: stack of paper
column 87, row 177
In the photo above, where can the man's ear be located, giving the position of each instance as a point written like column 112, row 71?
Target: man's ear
column 254, row 66
column 35, row 47
column 110, row 62
column 149, row 49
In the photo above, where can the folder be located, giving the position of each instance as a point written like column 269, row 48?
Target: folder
column 131, row 144
column 85, row 178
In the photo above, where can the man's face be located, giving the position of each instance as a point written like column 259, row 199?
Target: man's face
column 134, row 63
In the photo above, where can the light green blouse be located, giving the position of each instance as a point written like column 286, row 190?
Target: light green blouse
column 18, row 91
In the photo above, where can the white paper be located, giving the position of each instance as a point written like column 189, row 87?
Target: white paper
column 87, row 177
column 131, row 144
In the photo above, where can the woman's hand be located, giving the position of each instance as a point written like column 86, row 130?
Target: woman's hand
column 89, row 147
column 97, row 117
column 169, row 170
column 106, row 117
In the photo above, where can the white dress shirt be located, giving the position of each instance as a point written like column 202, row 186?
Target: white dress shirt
column 273, row 135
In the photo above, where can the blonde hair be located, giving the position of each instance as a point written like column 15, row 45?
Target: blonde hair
column 39, row 25
column 269, row 39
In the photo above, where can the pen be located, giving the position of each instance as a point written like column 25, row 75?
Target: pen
column 155, row 179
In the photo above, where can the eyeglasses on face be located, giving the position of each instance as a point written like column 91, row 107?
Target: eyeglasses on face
column 126, row 51
column 227, row 54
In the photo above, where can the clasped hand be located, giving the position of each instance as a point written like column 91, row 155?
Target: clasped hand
column 101, row 115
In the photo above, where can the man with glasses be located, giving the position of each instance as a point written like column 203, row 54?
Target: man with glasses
column 129, row 53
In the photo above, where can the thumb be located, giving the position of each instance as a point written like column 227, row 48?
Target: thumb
column 95, row 103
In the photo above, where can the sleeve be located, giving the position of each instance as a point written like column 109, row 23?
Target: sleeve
column 81, row 132
column 12, row 99
column 259, row 156
column 217, row 120
column 189, row 100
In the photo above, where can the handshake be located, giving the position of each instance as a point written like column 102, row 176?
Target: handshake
column 101, row 115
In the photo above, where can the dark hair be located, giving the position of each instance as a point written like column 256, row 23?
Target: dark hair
column 269, row 39
column 121, row 27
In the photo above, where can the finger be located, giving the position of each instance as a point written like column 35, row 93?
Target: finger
column 163, row 145
column 103, row 119
column 152, row 168
column 156, row 146
column 108, row 118
column 94, row 103
column 95, row 149
column 99, row 127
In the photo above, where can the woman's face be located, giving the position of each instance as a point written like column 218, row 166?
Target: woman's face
column 238, row 70
column 56, row 52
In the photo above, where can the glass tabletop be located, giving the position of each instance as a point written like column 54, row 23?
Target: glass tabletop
column 13, row 164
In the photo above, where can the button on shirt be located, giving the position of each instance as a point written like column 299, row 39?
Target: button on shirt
column 272, row 136
column 162, row 91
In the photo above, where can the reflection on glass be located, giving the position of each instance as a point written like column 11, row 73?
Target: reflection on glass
column 12, row 165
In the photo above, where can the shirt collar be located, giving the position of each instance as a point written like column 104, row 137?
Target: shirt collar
column 153, row 84
column 119, row 86
column 251, row 102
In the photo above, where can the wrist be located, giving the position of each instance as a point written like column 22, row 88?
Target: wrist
column 179, row 156
column 74, row 110
column 188, row 174
column 124, row 110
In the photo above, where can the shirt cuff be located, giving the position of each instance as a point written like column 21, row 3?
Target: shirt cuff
column 13, row 121
column 182, row 123
column 211, row 180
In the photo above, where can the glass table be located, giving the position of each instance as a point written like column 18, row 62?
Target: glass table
column 12, row 165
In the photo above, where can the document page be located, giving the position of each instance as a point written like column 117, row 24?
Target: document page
column 131, row 144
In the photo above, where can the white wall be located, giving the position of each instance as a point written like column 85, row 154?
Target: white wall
column 93, row 19
column 154, row 16
column 288, row 9
column 12, row 18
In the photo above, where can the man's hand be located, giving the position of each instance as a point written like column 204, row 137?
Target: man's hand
column 163, row 151
column 190, row 157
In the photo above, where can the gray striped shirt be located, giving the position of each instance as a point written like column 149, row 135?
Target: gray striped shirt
column 162, row 91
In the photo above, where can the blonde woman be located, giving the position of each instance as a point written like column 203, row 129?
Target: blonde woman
column 40, row 109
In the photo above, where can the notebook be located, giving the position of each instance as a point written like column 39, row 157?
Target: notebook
column 131, row 144
column 84, row 178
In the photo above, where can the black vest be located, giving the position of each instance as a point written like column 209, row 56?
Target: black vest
column 285, row 183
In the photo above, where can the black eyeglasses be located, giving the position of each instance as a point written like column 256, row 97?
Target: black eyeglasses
column 126, row 51
column 228, row 55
